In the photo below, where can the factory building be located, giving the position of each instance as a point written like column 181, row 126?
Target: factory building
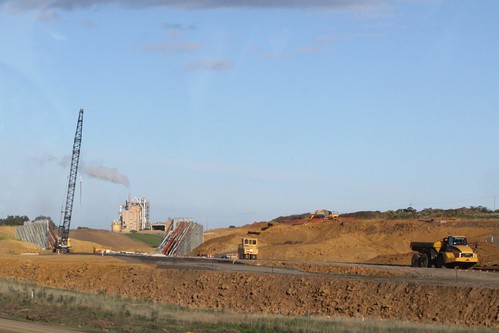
column 133, row 216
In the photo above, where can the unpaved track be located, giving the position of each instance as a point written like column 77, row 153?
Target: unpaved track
column 385, row 273
column 14, row 326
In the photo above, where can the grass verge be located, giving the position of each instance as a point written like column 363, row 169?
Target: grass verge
column 151, row 239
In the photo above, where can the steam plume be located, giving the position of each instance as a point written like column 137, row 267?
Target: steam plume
column 108, row 174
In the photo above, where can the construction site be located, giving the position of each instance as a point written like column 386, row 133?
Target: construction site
column 324, row 264
column 355, row 268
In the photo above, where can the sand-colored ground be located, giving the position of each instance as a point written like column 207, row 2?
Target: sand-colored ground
column 381, row 295
column 367, row 241
column 261, row 293
column 358, row 241
column 84, row 240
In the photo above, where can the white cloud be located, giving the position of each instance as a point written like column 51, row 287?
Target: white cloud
column 212, row 65
column 57, row 36
column 173, row 47
column 25, row 5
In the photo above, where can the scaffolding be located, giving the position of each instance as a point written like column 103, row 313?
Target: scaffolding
column 182, row 236
column 38, row 232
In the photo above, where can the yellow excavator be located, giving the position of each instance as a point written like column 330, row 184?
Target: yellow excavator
column 324, row 214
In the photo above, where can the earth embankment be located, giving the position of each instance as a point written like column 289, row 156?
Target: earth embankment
column 262, row 293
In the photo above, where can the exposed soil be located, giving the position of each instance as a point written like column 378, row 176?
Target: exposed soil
column 84, row 240
column 358, row 241
column 383, row 294
column 261, row 293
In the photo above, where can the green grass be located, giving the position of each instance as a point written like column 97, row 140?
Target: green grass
column 97, row 312
column 154, row 240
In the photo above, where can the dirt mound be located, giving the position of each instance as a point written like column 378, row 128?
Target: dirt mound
column 85, row 239
column 16, row 246
column 82, row 241
column 375, row 241
column 7, row 231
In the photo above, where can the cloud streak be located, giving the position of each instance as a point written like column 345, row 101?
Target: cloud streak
column 170, row 47
column 20, row 6
column 210, row 65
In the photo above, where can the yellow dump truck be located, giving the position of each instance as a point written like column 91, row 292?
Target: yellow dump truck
column 248, row 249
column 450, row 252
column 324, row 214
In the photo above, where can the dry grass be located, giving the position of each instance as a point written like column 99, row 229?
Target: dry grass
column 113, row 314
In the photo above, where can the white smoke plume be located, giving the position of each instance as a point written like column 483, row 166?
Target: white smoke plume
column 104, row 173
column 94, row 171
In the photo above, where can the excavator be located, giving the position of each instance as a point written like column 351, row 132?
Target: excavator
column 324, row 214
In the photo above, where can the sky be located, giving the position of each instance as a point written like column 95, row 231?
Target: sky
column 232, row 112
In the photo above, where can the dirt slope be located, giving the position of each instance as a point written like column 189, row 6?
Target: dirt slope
column 375, row 241
column 368, row 241
column 85, row 239
column 347, row 241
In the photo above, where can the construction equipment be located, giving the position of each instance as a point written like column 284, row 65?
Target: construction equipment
column 248, row 249
column 324, row 214
column 63, row 243
column 450, row 252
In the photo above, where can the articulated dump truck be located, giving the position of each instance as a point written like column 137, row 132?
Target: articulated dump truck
column 248, row 249
column 450, row 252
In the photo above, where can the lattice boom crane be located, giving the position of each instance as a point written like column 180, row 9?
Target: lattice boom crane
column 63, row 243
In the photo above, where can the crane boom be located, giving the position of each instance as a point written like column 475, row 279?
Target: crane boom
column 62, row 243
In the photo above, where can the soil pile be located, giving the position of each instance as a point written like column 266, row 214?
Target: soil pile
column 358, row 241
column 84, row 240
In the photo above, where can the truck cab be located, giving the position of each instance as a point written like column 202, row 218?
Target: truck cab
column 248, row 249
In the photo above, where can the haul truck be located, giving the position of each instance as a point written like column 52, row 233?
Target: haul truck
column 248, row 249
column 450, row 252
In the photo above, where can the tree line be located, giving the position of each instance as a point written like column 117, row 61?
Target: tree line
column 20, row 219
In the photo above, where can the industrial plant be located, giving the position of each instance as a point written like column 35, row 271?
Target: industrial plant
column 133, row 216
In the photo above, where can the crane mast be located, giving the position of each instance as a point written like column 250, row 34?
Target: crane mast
column 63, row 243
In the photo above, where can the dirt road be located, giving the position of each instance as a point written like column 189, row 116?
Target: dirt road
column 13, row 326
column 386, row 273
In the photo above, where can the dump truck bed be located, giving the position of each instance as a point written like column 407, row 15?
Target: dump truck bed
column 419, row 246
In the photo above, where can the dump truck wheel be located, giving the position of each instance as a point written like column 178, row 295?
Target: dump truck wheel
column 440, row 261
column 415, row 260
column 423, row 260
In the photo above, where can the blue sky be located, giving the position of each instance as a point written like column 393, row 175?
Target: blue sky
column 238, row 111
